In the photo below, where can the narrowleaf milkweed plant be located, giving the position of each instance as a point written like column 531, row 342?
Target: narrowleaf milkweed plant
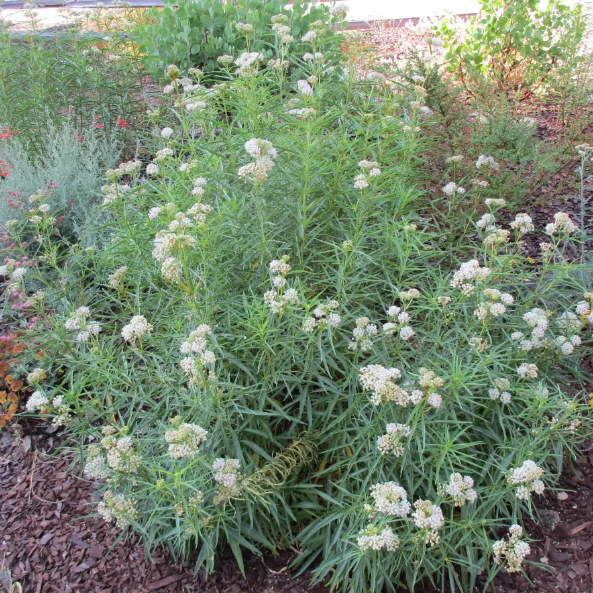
column 277, row 347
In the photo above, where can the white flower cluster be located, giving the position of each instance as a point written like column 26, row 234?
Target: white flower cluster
column 278, row 299
column 513, row 551
column 305, row 88
column 375, row 77
column 562, row 225
column 130, row 168
column 487, row 162
column 390, row 499
column 199, row 186
column 247, row 62
column 36, row 376
column 522, row 224
column 461, row 488
column 400, row 318
column 121, row 455
column 197, row 343
column 37, row 401
column 227, row 475
column 118, row 278
column 281, row 29
column 527, row 371
column 452, row 160
column 79, row 320
column 375, row 538
column 362, row 335
column 430, row 382
column 468, row 274
column 96, row 465
column 584, row 309
column 302, row 112
column 184, row 439
column 391, row 441
column 113, row 191
column 495, row 306
column 428, row 517
column 501, row 391
column 452, row 189
column 264, row 154
column 118, row 508
column 370, row 169
column 381, row 382
column 137, row 328
column 528, row 478
column 309, row 57
column 324, row 316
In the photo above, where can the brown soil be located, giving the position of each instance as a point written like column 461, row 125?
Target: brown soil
column 49, row 540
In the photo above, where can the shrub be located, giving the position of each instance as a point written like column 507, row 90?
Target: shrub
column 197, row 33
column 278, row 346
column 41, row 79
column 69, row 172
column 519, row 45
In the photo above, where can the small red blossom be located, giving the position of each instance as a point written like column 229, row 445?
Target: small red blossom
column 121, row 123
column 6, row 132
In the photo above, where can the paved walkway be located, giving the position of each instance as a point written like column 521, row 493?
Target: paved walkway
column 360, row 10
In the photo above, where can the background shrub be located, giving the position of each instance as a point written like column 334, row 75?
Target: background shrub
column 196, row 33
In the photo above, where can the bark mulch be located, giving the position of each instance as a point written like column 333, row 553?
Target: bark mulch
column 49, row 542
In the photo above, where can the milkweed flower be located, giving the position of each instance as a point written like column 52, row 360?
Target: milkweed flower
column 487, row 162
column 117, row 279
column 184, row 439
column 452, row 188
column 562, row 225
column 305, row 88
column 528, row 478
column 375, row 538
column 461, row 488
column 513, row 551
column 380, row 381
column 36, row 376
column 429, row 518
column 121, row 455
column 522, row 224
column 527, row 371
column 391, row 442
column 37, row 401
column 137, row 328
column 390, row 499
column 118, row 508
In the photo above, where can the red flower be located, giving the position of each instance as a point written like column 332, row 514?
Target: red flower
column 6, row 133
column 121, row 123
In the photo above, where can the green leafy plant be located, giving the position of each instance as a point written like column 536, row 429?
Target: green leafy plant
column 93, row 79
column 518, row 45
column 196, row 33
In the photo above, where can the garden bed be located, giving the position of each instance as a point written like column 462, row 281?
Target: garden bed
column 50, row 543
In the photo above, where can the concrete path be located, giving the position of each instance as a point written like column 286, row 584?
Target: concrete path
column 359, row 11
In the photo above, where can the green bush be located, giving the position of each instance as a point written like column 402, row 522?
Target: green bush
column 280, row 347
column 520, row 45
column 75, row 77
column 196, row 33
column 70, row 171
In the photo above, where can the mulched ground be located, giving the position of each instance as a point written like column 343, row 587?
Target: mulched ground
column 49, row 542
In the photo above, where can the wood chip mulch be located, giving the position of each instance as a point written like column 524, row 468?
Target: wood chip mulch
column 49, row 542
